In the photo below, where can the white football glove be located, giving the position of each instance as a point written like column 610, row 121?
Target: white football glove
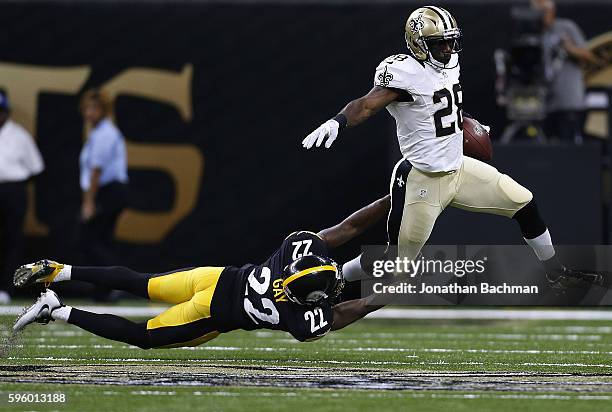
column 487, row 128
column 328, row 130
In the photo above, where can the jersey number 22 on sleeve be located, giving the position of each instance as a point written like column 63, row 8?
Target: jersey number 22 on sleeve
column 311, row 315
column 448, row 110
column 296, row 250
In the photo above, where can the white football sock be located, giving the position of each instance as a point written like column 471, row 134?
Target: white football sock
column 64, row 274
column 62, row 313
column 542, row 246
column 352, row 270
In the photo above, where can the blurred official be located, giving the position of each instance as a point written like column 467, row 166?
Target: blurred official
column 19, row 160
column 103, row 180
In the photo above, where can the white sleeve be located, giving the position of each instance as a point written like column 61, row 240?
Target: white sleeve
column 32, row 160
column 392, row 73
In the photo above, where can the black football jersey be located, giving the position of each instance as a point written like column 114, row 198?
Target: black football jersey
column 252, row 297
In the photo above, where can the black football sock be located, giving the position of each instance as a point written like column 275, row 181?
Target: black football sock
column 530, row 221
column 113, row 277
column 111, row 327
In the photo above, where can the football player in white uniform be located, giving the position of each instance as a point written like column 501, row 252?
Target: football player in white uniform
column 421, row 90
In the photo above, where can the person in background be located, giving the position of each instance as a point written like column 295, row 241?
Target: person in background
column 103, row 180
column 19, row 161
column 564, row 48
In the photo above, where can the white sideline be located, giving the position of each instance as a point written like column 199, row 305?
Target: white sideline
column 389, row 313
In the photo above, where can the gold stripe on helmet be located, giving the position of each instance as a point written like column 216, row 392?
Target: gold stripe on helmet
column 306, row 272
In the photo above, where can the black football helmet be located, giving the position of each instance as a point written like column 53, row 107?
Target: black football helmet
column 311, row 279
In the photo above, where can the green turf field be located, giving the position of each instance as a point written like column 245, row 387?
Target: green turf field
column 376, row 364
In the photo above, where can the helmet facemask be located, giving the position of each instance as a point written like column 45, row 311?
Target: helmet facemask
column 429, row 46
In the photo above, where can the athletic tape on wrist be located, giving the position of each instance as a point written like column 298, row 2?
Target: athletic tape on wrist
column 341, row 119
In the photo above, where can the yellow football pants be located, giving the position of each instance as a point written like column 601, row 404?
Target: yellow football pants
column 191, row 291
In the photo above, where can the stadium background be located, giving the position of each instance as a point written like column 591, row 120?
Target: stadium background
column 253, row 80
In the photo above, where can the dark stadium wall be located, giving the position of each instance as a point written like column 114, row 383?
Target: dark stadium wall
column 215, row 121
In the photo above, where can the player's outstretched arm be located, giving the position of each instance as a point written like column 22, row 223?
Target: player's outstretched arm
column 350, row 311
column 357, row 223
column 354, row 113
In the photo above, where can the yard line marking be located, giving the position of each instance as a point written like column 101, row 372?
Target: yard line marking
column 492, row 314
column 522, row 351
column 354, row 349
column 152, row 393
column 387, row 313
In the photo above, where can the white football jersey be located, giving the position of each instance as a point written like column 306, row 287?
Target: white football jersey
column 429, row 119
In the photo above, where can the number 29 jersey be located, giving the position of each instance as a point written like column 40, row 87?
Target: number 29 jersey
column 429, row 119
column 252, row 296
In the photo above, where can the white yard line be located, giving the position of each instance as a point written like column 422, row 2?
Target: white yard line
column 390, row 313
column 501, row 314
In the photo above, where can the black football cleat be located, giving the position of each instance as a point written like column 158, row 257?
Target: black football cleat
column 43, row 271
column 571, row 278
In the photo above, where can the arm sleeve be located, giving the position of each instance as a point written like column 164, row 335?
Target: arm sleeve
column 32, row 159
column 391, row 76
column 576, row 34
column 101, row 149
column 312, row 323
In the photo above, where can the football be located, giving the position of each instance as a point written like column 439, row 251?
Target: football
column 476, row 141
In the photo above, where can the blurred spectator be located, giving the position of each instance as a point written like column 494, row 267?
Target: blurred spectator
column 19, row 161
column 103, row 163
column 564, row 51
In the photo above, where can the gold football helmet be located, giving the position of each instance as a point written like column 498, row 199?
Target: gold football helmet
column 427, row 25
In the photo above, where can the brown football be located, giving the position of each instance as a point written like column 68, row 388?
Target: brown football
column 476, row 141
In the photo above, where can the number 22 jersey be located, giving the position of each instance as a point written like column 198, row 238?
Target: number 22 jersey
column 252, row 297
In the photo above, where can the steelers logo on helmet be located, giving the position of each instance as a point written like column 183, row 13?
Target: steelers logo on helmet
column 311, row 279
column 437, row 39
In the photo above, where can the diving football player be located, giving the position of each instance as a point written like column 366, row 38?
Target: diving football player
column 294, row 290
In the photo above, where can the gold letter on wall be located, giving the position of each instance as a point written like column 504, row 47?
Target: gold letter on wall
column 183, row 162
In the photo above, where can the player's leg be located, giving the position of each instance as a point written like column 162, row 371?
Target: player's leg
column 482, row 188
column 416, row 228
column 186, row 324
column 181, row 285
column 417, row 199
column 172, row 287
column 48, row 307
column 114, row 277
column 425, row 197
column 359, row 268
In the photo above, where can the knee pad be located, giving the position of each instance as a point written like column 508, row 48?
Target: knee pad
column 417, row 233
column 517, row 194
